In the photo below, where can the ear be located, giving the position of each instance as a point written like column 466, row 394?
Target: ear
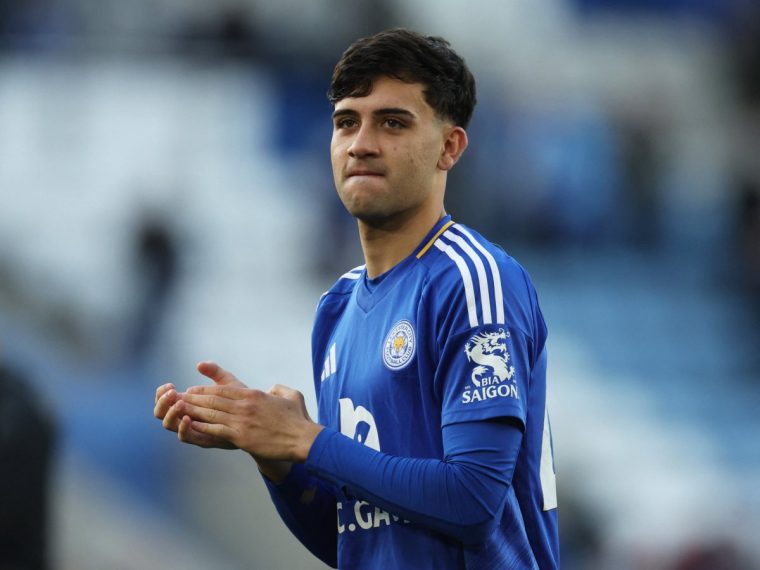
column 453, row 147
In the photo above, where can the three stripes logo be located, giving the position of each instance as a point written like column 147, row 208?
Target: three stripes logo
column 331, row 364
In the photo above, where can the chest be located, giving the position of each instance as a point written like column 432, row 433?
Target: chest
column 375, row 385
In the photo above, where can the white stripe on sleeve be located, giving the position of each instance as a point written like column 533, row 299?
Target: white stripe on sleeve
column 485, row 300
column 355, row 273
column 469, row 292
column 499, row 300
column 333, row 363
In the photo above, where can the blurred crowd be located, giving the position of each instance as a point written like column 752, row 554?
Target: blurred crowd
column 611, row 137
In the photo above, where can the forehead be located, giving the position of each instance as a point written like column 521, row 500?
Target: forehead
column 389, row 93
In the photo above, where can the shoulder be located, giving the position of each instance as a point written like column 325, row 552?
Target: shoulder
column 341, row 290
column 469, row 271
column 461, row 246
column 345, row 283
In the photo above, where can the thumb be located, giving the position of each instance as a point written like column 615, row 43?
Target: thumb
column 218, row 374
column 285, row 392
column 292, row 395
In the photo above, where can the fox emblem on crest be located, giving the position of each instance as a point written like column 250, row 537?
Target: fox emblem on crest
column 489, row 351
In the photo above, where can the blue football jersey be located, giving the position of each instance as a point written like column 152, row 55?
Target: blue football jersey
column 451, row 334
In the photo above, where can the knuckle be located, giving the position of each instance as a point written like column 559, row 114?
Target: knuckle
column 244, row 406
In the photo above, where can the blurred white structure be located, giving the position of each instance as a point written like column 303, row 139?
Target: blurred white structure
column 89, row 145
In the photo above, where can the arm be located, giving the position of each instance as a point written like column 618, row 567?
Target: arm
column 307, row 506
column 461, row 496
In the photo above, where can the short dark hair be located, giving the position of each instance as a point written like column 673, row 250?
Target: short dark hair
column 449, row 87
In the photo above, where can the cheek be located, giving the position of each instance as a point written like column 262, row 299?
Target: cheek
column 335, row 156
column 337, row 146
column 422, row 159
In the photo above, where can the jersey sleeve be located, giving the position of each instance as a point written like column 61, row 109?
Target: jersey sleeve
column 484, row 374
column 461, row 496
column 307, row 507
column 485, row 357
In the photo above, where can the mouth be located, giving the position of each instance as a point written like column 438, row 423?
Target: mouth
column 361, row 172
column 364, row 175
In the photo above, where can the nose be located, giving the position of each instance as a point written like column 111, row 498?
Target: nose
column 364, row 142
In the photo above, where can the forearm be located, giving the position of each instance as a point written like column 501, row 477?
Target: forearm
column 274, row 471
column 307, row 506
column 461, row 496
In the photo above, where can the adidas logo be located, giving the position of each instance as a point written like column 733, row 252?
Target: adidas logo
column 330, row 366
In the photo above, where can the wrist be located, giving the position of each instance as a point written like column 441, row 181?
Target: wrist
column 275, row 471
column 303, row 448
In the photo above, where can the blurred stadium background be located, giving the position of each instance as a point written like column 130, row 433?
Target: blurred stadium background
column 166, row 197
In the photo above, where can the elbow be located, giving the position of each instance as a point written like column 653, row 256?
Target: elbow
column 477, row 533
column 478, row 528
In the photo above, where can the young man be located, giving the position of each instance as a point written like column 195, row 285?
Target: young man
column 433, row 441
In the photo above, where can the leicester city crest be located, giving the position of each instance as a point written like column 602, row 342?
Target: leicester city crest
column 399, row 345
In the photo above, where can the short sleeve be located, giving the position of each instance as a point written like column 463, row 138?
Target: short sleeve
column 483, row 358
column 484, row 374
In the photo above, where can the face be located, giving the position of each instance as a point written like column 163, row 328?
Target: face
column 386, row 153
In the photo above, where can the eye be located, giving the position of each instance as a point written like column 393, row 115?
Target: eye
column 345, row 123
column 393, row 123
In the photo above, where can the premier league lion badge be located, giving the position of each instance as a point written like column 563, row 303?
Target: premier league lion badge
column 399, row 345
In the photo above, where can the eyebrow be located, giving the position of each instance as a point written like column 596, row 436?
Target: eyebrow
column 376, row 113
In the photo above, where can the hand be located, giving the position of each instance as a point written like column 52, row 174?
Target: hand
column 165, row 410
column 272, row 426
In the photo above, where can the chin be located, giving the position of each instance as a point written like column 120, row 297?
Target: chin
column 381, row 219
column 363, row 205
column 366, row 213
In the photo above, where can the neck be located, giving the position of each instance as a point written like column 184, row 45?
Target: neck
column 386, row 244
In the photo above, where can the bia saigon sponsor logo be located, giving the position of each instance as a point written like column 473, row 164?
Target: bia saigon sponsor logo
column 492, row 376
column 399, row 345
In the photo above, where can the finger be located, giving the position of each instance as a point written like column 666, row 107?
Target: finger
column 220, row 431
column 213, row 402
column 229, row 392
column 209, row 415
column 186, row 434
column 165, row 402
column 218, row 374
column 173, row 416
column 161, row 390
